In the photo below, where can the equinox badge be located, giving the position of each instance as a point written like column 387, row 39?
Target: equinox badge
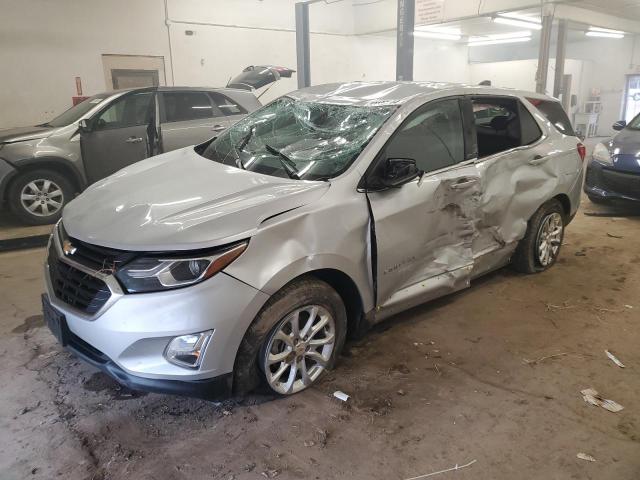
column 68, row 248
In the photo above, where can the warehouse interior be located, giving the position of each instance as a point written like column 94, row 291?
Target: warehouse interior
column 483, row 382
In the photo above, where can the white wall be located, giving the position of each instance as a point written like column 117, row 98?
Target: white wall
column 45, row 44
column 62, row 39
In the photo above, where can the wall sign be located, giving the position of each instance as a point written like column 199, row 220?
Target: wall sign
column 429, row 11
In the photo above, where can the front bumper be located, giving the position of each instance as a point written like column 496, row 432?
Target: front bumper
column 217, row 387
column 608, row 184
column 128, row 336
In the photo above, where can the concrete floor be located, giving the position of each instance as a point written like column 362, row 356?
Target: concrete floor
column 492, row 374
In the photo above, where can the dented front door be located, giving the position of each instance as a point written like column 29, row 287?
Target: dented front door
column 424, row 230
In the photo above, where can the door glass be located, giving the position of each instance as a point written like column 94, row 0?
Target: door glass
column 226, row 105
column 128, row 111
column 432, row 136
column 183, row 106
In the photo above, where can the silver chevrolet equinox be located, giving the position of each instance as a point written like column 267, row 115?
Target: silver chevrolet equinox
column 247, row 260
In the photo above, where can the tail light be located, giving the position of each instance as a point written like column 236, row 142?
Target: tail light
column 582, row 151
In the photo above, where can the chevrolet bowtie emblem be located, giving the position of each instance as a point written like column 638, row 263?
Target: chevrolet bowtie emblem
column 68, row 248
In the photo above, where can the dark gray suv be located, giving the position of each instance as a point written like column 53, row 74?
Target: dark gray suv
column 43, row 167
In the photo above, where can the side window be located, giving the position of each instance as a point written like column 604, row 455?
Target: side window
column 554, row 112
column 432, row 135
column 128, row 111
column 226, row 105
column 502, row 123
column 183, row 106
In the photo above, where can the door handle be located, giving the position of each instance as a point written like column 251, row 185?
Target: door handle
column 538, row 159
column 134, row 140
column 218, row 128
column 464, row 183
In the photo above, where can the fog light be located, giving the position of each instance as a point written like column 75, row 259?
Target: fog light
column 187, row 350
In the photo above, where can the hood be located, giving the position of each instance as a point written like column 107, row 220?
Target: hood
column 181, row 201
column 258, row 76
column 21, row 134
column 625, row 148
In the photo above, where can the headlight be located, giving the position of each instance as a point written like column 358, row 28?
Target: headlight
column 186, row 350
column 150, row 274
column 601, row 154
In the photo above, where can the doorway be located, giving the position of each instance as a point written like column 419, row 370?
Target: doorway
column 133, row 71
column 632, row 97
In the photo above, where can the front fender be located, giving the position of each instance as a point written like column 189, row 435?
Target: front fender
column 335, row 237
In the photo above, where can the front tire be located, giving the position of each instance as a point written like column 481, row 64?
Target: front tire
column 294, row 339
column 37, row 197
column 540, row 247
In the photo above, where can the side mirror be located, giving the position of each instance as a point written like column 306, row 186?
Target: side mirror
column 398, row 171
column 619, row 125
column 83, row 125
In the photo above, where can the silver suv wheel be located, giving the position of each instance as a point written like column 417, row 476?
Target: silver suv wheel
column 299, row 349
column 549, row 238
column 42, row 197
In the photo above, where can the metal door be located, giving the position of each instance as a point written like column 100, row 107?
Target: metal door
column 119, row 135
column 425, row 228
column 188, row 118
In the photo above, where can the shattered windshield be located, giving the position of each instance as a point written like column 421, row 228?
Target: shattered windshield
column 296, row 139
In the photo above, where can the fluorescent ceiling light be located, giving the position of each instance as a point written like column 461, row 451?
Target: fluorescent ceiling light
column 438, row 35
column 517, row 23
column 479, row 43
column 604, row 34
column 605, row 30
column 521, row 36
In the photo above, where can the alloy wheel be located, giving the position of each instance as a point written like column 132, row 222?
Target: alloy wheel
column 300, row 349
column 549, row 238
column 42, row 197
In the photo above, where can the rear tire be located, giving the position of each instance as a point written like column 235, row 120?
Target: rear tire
column 286, row 359
column 540, row 247
column 37, row 197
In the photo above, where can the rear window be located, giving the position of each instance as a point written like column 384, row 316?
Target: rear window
column 555, row 114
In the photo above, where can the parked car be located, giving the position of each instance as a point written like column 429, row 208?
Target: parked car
column 614, row 170
column 248, row 259
column 43, row 167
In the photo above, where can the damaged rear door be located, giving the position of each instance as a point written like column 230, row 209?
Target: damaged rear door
column 423, row 230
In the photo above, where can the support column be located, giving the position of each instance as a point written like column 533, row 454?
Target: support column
column 543, row 55
column 561, row 50
column 303, row 52
column 404, row 54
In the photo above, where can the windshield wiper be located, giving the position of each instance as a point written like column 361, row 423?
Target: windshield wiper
column 288, row 164
column 240, row 146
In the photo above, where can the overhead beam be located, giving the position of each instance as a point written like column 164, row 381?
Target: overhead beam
column 597, row 19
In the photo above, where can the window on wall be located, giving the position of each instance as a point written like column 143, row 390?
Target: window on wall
column 432, row 136
column 183, row 106
column 502, row 124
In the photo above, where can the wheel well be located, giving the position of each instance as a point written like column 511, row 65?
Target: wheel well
column 55, row 166
column 348, row 291
column 565, row 202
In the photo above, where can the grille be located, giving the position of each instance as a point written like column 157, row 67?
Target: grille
column 74, row 287
column 96, row 257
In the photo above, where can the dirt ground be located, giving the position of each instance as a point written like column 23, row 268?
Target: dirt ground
column 492, row 375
